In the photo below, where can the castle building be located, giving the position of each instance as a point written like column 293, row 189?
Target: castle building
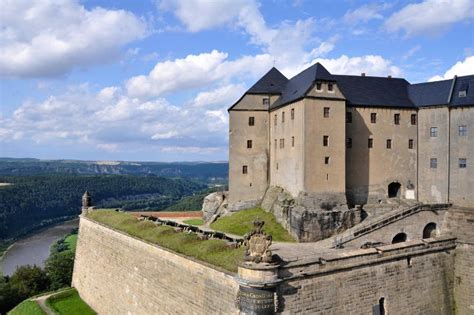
column 359, row 139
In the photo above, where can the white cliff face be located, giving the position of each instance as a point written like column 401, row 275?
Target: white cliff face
column 214, row 206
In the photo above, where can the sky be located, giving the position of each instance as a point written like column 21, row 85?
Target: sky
column 152, row 80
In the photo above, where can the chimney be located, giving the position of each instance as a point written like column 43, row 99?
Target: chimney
column 362, row 74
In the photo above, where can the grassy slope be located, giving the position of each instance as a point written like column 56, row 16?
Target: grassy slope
column 194, row 221
column 27, row 307
column 69, row 302
column 241, row 223
column 215, row 252
column 71, row 242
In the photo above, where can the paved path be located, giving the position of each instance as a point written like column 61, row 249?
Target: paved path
column 42, row 303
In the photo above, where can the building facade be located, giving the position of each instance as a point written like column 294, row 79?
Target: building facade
column 356, row 138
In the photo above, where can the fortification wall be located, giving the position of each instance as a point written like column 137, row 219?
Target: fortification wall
column 407, row 278
column 118, row 274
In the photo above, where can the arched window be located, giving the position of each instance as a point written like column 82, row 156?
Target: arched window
column 399, row 238
column 430, row 230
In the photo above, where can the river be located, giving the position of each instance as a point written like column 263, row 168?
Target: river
column 34, row 249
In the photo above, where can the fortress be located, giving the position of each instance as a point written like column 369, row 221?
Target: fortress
column 374, row 177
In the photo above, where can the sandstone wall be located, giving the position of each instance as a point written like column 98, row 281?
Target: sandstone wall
column 118, row 274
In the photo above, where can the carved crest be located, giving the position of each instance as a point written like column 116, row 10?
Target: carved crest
column 257, row 243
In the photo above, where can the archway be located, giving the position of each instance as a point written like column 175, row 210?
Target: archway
column 399, row 238
column 430, row 230
column 394, row 190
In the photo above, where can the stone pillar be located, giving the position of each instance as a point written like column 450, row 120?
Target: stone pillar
column 257, row 288
column 86, row 203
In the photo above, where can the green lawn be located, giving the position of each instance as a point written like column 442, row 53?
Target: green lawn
column 69, row 303
column 27, row 307
column 71, row 242
column 194, row 221
column 241, row 223
column 215, row 252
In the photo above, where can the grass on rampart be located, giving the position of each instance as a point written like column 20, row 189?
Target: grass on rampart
column 196, row 222
column 27, row 307
column 71, row 242
column 241, row 223
column 69, row 302
column 214, row 252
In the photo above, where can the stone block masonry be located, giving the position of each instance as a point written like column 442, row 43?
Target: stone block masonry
column 118, row 274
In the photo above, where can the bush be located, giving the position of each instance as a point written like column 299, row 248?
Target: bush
column 59, row 267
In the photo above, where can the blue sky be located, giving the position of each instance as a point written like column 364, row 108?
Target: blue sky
column 151, row 80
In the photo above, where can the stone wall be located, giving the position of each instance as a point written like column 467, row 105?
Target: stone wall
column 411, row 278
column 117, row 274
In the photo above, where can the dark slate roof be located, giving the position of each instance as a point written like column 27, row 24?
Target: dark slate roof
column 463, row 84
column 430, row 93
column 374, row 91
column 299, row 85
column 272, row 82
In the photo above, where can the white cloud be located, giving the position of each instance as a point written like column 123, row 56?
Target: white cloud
column 430, row 16
column 365, row 13
column 370, row 64
column 461, row 68
column 411, row 52
column 223, row 95
column 46, row 38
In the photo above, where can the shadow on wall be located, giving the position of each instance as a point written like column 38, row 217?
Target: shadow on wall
column 357, row 160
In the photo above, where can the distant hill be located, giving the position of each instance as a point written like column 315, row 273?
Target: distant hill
column 209, row 172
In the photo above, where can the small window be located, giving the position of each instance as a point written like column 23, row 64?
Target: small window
column 410, row 144
column 462, row 163
column 413, row 119
column 433, row 163
column 326, row 112
column 249, row 144
column 396, row 119
column 276, row 143
column 325, row 141
column 292, row 114
column 463, row 131
column 251, row 121
column 326, row 160
column 330, row 87
column 283, row 117
column 433, row 132
column 244, row 169
column 282, row 143
column 277, row 166
column 462, row 93
column 275, row 119
column 318, row 86
column 349, row 143
column 292, row 141
column 373, row 118
column 389, row 143
column 370, row 143
column 266, row 101
column 348, row 117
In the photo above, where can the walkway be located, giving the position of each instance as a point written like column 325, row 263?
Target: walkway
column 42, row 303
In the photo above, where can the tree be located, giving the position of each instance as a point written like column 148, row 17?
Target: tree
column 8, row 297
column 59, row 268
column 28, row 281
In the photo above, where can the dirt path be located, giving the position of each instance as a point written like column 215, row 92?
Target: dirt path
column 42, row 303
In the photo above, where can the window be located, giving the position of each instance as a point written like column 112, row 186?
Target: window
column 370, row 143
column 318, row 86
column 292, row 113
column 462, row 163
column 275, row 120
column 266, row 101
column 283, row 117
column 325, row 141
column 251, row 121
column 413, row 119
column 462, row 93
column 292, row 141
column 330, row 87
column 463, row 131
column 276, row 143
column 373, row 118
column 326, row 112
column 410, row 144
column 433, row 131
column 326, row 160
column 396, row 119
column 249, row 144
column 348, row 117
column 349, row 143
column 282, row 143
column 389, row 143
column 433, row 163
column 244, row 169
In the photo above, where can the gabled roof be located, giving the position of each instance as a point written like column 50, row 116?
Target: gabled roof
column 374, row 91
column 430, row 93
column 299, row 85
column 465, row 83
column 272, row 82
